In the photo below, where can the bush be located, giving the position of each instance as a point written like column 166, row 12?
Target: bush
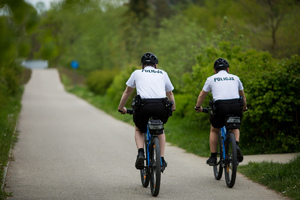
column 118, row 86
column 9, row 83
column 98, row 81
column 273, row 118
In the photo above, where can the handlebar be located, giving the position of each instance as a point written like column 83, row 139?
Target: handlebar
column 130, row 111
column 205, row 110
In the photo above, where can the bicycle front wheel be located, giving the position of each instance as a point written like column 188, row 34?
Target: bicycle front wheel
column 231, row 160
column 155, row 167
column 218, row 170
column 144, row 172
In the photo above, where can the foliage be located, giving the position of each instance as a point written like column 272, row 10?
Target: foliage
column 273, row 118
column 179, row 41
column 99, row 81
column 118, row 86
column 269, row 24
column 271, row 16
column 283, row 178
column 88, row 35
column 17, row 19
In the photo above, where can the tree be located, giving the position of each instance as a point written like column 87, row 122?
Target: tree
column 267, row 14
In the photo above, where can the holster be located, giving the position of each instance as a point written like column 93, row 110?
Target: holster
column 136, row 102
column 213, row 106
column 169, row 105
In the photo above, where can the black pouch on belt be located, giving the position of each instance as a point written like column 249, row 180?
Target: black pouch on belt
column 136, row 102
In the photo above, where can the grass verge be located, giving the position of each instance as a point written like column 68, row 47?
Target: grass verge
column 284, row 178
column 8, row 121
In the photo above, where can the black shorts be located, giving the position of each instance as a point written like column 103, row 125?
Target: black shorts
column 223, row 108
column 144, row 112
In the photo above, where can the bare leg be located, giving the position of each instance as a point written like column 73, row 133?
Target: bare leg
column 213, row 139
column 236, row 133
column 139, row 138
column 162, row 143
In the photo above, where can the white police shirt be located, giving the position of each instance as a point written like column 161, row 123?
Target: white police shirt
column 223, row 86
column 150, row 82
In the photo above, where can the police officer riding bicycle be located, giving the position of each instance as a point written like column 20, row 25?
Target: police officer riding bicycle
column 153, row 86
column 228, row 98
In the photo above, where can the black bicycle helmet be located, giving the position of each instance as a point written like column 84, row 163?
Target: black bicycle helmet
column 149, row 58
column 221, row 63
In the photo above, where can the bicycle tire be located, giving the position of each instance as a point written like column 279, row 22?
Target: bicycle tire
column 144, row 172
column 155, row 167
column 231, row 160
column 218, row 170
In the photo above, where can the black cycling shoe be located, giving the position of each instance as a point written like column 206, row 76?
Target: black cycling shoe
column 139, row 163
column 212, row 161
column 163, row 165
column 240, row 156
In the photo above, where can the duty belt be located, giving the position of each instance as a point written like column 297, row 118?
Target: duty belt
column 161, row 100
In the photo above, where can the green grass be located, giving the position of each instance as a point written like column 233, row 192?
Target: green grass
column 284, row 178
column 10, row 106
column 194, row 140
column 8, row 120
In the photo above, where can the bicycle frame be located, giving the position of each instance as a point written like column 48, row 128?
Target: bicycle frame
column 149, row 141
column 149, row 138
column 223, row 135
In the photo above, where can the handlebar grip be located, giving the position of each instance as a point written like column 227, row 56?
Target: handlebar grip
column 129, row 111
column 205, row 110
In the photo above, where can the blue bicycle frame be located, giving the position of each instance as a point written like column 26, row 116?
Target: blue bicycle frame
column 223, row 135
column 149, row 138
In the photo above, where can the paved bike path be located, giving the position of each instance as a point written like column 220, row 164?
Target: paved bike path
column 68, row 149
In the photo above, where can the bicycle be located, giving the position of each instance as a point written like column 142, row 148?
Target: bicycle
column 153, row 163
column 227, row 150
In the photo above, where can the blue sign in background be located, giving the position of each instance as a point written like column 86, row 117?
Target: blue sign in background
column 74, row 64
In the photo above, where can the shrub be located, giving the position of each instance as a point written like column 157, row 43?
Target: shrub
column 118, row 86
column 98, row 81
column 273, row 118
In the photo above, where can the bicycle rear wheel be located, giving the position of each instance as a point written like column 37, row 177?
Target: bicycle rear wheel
column 155, row 167
column 144, row 172
column 218, row 170
column 231, row 160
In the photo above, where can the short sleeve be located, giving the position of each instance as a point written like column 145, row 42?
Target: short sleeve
column 169, row 87
column 207, row 87
column 240, row 85
column 131, row 80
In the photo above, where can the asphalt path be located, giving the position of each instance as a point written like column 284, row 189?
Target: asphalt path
column 68, row 149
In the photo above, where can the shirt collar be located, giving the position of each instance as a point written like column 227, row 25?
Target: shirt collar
column 149, row 67
column 222, row 72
